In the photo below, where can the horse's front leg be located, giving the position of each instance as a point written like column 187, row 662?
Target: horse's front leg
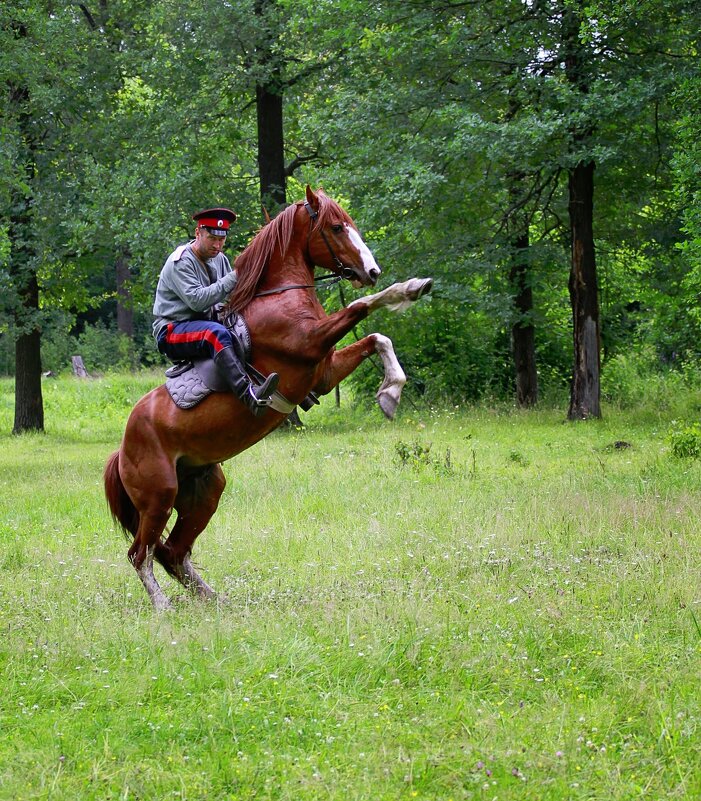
column 344, row 361
column 396, row 297
column 323, row 333
column 390, row 392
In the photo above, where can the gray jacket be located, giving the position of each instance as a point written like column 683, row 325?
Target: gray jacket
column 187, row 289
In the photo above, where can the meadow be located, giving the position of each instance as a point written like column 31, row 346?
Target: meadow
column 472, row 603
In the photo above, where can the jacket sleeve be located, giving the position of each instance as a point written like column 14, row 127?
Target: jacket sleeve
column 187, row 280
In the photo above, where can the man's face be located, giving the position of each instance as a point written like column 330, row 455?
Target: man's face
column 207, row 244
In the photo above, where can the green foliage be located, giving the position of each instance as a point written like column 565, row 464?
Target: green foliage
column 102, row 348
column 448, row 352
column 685, row 440
column 418, row 456
column 637, row 379
column 517, row 457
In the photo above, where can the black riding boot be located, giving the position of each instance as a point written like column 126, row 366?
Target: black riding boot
column 256, row 399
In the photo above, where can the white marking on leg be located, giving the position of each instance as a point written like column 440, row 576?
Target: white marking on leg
column 371, row 267
column 190, row 578
column 398, row 296
column 390, row 393
column 153, row 588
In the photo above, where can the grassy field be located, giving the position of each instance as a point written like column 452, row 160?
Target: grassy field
column 474, row 604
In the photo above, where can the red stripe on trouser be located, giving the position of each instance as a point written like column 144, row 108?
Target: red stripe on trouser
column 195, row 336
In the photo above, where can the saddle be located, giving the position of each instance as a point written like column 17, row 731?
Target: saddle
column 190, row 382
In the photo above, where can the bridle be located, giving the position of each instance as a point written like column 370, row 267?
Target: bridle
column 332, row 278
column 343, row 270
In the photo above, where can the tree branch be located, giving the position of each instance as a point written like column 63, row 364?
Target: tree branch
column 298, row 161
column 88, row 16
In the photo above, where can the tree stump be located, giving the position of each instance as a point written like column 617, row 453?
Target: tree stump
column 78, row 367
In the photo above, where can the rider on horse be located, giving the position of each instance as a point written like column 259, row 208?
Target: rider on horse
column 194, row 280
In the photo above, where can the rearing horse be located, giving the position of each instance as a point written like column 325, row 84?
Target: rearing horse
column 170, row 459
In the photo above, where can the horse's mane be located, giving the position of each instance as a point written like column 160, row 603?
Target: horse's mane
column 251, row 263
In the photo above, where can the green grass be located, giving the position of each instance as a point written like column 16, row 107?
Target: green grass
column 476, row 604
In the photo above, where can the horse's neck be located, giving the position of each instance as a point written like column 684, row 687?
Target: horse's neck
column 293, row 268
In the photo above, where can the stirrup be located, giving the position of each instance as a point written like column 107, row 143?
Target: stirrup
column 263, row 394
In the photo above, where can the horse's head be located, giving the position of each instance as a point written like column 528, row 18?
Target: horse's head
column 335, row 243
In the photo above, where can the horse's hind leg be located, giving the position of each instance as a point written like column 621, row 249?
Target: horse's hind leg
column 196, row 502
column 141, row 553
column 153, row 500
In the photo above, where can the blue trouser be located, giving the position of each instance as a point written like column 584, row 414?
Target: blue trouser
column 192, row 339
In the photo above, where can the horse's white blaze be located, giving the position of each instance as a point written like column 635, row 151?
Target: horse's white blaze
column 370, row 266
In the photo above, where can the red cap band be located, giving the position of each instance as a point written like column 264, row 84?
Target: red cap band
column 211, row 222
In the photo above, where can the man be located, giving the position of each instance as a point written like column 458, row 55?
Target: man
column 195, row 278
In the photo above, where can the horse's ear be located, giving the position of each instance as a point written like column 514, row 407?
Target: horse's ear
column 267, row 216
column 312, row 198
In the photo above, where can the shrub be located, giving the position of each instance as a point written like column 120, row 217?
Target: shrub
column 637, row 378
column 418, row 456
column 686, row 440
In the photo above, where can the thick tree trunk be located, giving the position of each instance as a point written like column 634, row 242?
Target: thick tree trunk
column 269, row 112
column 271, row 153
column 29, row 402
column 523, row 331
column 585, row 396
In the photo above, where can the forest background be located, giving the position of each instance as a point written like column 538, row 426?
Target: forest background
column 539, row 158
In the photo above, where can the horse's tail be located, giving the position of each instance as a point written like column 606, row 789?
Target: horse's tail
column 123, row 510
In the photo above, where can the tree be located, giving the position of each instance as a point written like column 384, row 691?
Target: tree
column 25, row 137
column 585, row 392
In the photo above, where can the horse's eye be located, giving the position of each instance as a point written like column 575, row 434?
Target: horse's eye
column 337, row 228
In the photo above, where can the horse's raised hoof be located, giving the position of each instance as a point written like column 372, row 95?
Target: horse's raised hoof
column 388, row 403
column 418, row 287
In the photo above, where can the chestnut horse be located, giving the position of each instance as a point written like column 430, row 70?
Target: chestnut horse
column 170, row 459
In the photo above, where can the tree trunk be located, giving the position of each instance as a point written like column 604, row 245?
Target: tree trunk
column 523, row 330
column 269, row 112
column 79, row 370
column 585, row 397
column 125, row 309
column 29, row 402
column 271, row 158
